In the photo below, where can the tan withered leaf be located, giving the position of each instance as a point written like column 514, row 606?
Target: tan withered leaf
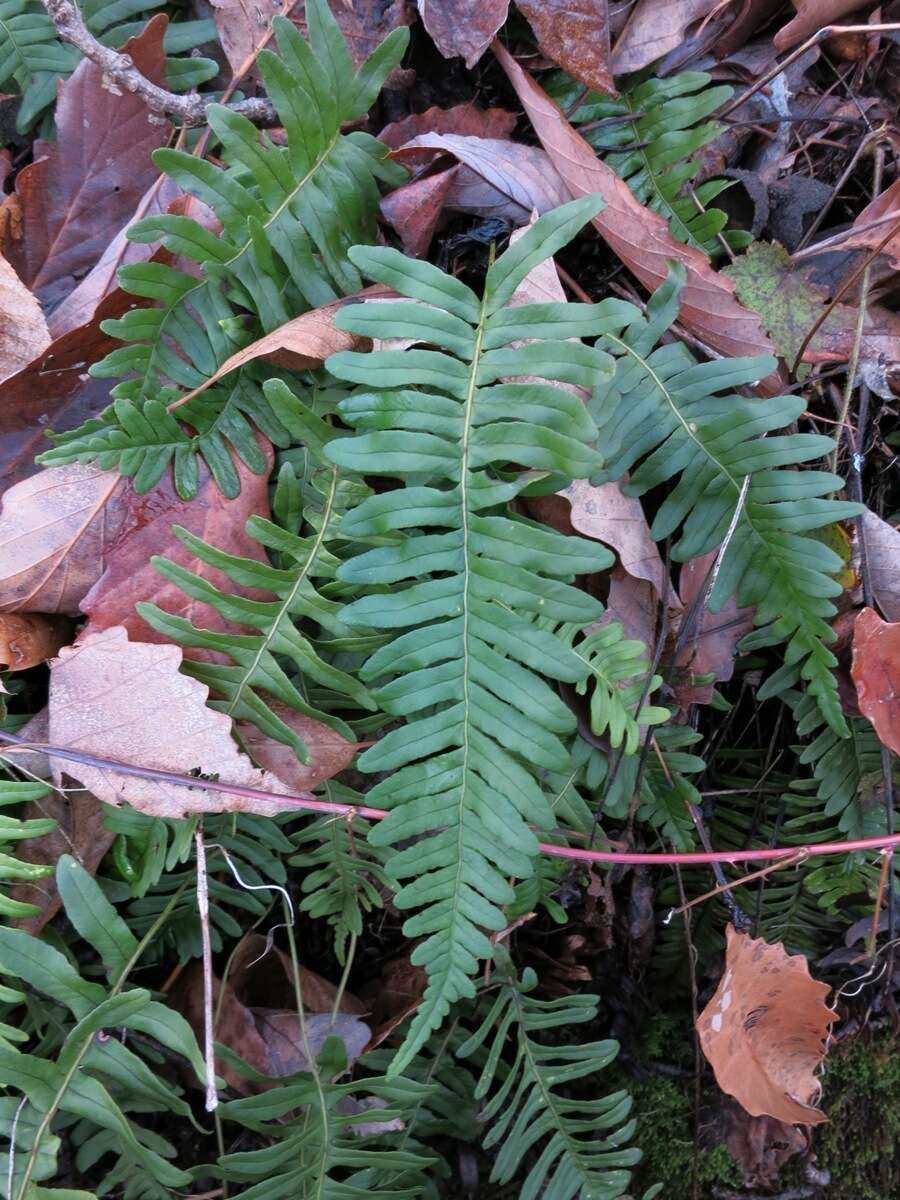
column 55, row 529
column 711, row 644
column 866, row 234
column 604, row 513
column 876, row 673
column 27, row 639
column 575, row 34
column 811, row 16
column 653, row 29
column 329, row 752
column 638, row 236
column 883, row 558
column 764, row 1031
column 23, row 329
column 463, row 28
column 128, row 701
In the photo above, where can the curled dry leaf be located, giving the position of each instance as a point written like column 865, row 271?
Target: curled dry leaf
column 128, row 701
column 463, row 28
column 764, row 1031
column 27, row 639
column 82, row 189
column 55, row 530
column 813, row 15
column 653, row 29
column 876, row 673
column 23, row 329
column 872, row 225
column 638, row 236
column 463, row 119
column 882, row 543
column 575, row 34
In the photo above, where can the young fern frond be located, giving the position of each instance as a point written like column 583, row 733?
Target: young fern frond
column 663, row 124
column 289, row 215
column 256, row 671
column 14, row 870
column 465, row 670
column 318, row 1145
column 668, row 419
column 581, row 1144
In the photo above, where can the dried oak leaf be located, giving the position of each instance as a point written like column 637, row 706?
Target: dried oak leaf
column 27, row 639
column 23, row 329
column 84, row 188
column 876, row 673
column 638, row 236
column 128, row 701
column 463, row 28
column 764, row 1031
column 575, row 34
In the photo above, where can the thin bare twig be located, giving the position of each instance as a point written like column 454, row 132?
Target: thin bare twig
column 209, row 1053
column 120, row 69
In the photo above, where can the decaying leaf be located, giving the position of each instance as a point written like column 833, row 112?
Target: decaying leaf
column 883, row 558
column 417, row 209
column 329, row 753
column 874, row 223
column 812, row 15
column 463, row 28
column 575, row 34
column 653, row 29
column 55, row 530
column 876, row 673
column 23, row 329
column 638, row 236
column 464, row 119
column 27, row 639
column 764, row 1031
column 711, row 644
column 128, row 701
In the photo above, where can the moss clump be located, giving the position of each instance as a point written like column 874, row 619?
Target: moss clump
column 860, row 1145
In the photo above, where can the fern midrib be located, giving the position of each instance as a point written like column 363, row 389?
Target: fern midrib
column 23, row 62
column 674, row 220
column 228, row 263
column 266, row 638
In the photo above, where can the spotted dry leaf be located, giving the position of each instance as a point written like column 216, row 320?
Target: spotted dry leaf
column 764, row 1031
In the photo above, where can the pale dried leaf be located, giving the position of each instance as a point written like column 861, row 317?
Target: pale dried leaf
column 23, row 329
column 654, row 28
column 128, row 701
column 764, row 1031
column 883, row 558
column 876, row 673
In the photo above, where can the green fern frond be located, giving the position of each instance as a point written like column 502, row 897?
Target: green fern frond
column 325, row 1153
column 581, row 1143
column 14, row 870
column 288, row 217
column 464, row 670
column 649, row 135
column 668, row 419
column 268, row 662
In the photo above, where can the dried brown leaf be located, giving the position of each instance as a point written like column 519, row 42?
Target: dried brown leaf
column 764, row 1031
column 638, row 236
column 813, row 15
column 463, row 28
column 575, row 34
column 883, row 558
column 865, row 234
column 23, row 329
column 654, row 28
column 463, row 119
column 415, row 210
column 876, row 673
column 27, row 639
column 329, row 752
column 711, row 645
column 128, row 701
column 80, row 191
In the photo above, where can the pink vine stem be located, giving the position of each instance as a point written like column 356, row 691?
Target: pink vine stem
column 306, row 802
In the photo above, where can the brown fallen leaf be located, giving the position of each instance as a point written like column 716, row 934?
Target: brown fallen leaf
column 416, row 210
column 55, row 531
column 81, row 190
column 634, row 603
column 876, row 674
column 883, row 558
column 653, row 29
column 243, row 27
column 142, row 528
column 23, row 329
column 55, row 391
column 364, row 23
column 812, row 15
column 873, row 223
column 761, row 1145
column 575, row 34
column 128, row 701
column 329, row 752
column 27, row 639
column 638, row 236
column 764, row 1031
column 463, row 28
column 393, row 996
column 463, row 119
column 711, row 645
column 497, row 178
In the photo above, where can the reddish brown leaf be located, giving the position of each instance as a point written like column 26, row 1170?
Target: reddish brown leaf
column 876, row 673
column 329, row 752
column 55, row 532
column 575, row 34
column 497, row 178
column 23, row 329
column 813, row 15
column 85, row 188
column 143, row 528
column 463, row 28
column 638, row 236
column 634, row 603
column 764, row 1031
column 128, row 701
column 27, row 639
column 415, row 210
column 873, row 224
column 883, row 558
column 761, row 1145
column 655, row 28
column 710, row 647
column 464, row 119
column 55, row 392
